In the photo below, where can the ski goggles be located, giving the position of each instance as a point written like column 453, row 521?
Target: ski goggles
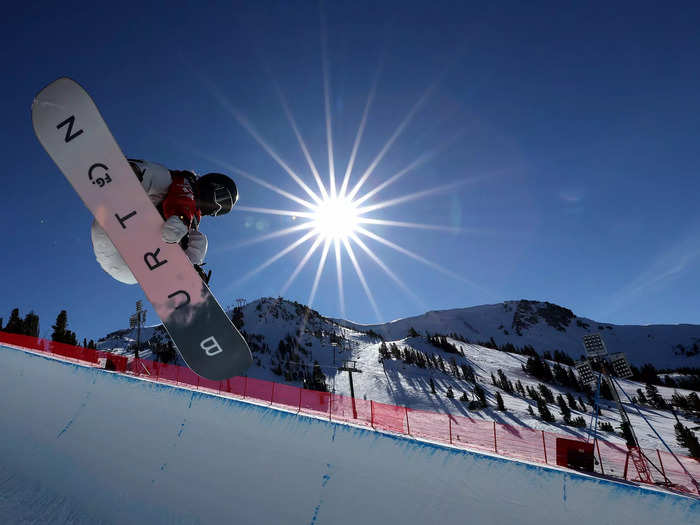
column 223, row 200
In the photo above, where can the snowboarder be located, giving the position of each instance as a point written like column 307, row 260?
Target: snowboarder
column 181, row 198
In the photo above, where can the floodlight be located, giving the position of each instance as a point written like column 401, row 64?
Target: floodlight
column 594, row 345
column 619, row 364
column 585, row 372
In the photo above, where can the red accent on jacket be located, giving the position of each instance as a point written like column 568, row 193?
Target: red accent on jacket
column 181, row 201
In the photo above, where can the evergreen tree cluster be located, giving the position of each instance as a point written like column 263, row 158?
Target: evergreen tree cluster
column 411, row 356
column 543, row 409
column 16, row 325
column 480, row 401
column 686, row 438
column 288, row 362
column 606, row 427
column 690, row 380
column 539, row 369
column 503, row 382
column 441, row 342
column 689, row 403
column 559, row 357
column 652, row 398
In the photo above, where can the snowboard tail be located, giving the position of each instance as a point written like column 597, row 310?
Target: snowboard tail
column 71, row 130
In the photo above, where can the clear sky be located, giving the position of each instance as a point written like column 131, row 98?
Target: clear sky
column 557, row 150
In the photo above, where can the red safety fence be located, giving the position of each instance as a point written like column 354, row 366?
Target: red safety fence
column 512, row 441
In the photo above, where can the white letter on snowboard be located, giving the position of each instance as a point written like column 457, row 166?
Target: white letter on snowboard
column 211, row 347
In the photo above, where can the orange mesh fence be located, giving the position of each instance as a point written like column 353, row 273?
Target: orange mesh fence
column 286, row 396
column 526, row 443
column 169, row 373
column 315, row 403
column 472, row 433
column 259, row 389
column 389, row 417
column 677, row 474
column 428, row 425
column 344, row 408
column 507, row 440
column 235, row 386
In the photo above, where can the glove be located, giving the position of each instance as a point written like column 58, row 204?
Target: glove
column 196, row 246
column 173, row 230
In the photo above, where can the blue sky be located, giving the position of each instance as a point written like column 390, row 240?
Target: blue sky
column 571, row 135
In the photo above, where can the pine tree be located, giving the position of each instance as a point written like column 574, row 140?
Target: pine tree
column 582, row 403
column 627, row 433
column 605, row 390
column 30, row 324
column 564, row 408
column 14, row 325
column 449, row 393
column 654, row 397
column 642, row 398
column 571, row 400
column 546, row 393
column 61, row 334
column 499, row 402
column 480, row 393
column 530, row 411
column 686, row 438
column 432, row 386
column 543, row 409
column 606, row 426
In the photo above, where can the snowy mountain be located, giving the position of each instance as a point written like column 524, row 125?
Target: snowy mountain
column 548, row 327
column 294, row 344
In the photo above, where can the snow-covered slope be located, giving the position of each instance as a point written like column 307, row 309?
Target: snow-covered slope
column 290, row 341
column 83, row 445
column 549, row 327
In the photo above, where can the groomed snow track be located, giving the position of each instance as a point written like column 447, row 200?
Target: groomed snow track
column 80, row 444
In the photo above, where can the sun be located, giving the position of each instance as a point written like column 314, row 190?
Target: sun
column 335, row 218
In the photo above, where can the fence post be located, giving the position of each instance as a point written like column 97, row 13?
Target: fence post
column 408, row 425
column 663, row 471
column 245, row 386
column 495, row 443
column 371, row 413
column 544, row 447
column 330, row 407
column 299, row 407
column 627, row 460
column 197, row 382
column 600, row 458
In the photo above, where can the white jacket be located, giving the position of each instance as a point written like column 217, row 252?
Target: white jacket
column 156, row 180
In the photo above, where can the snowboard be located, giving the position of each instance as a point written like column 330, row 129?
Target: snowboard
column 71, row 130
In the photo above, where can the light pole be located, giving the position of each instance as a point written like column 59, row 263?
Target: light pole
column 135, row 321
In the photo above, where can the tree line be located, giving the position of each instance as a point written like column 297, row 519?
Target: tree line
column 29, row 325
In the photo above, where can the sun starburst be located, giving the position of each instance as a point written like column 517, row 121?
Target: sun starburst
column 336, row 217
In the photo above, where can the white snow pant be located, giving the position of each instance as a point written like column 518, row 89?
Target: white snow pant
column 112, row 262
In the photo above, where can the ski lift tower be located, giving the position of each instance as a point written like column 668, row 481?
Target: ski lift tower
column 598, row 357
column 350, row 367
column 135, row 321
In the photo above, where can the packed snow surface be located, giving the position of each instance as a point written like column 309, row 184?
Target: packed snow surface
column 83, row 445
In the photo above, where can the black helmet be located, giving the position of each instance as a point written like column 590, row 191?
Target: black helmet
column 216, row 194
